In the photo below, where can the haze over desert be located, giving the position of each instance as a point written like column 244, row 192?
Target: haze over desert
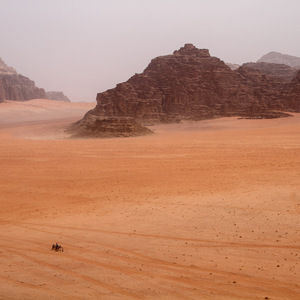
column 199, row 210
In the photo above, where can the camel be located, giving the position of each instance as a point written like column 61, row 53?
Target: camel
column 57, row 247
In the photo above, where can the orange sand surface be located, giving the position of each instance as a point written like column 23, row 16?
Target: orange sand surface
column 206, row 210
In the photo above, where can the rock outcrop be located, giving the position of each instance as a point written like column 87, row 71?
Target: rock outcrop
column 280, row 71
column 279, row 58
column 98, row 127
column 192, row 85
column 14, row 86
column 59, row 96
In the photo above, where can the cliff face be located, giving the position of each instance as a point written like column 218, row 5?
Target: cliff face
column 190, row 84
column 14, row 86
column 293, row 93
column 19, row 88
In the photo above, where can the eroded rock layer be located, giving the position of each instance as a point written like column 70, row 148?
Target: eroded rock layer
column 97, row 127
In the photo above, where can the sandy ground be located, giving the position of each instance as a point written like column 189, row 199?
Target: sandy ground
column 206, row 210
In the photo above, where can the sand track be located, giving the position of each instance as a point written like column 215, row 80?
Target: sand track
column 206, row 210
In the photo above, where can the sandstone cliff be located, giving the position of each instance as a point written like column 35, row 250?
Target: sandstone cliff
column 190, row 84
column 14, row 86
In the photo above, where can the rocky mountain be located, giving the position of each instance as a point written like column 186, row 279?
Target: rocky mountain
column 59, row 96
column 14, row 86
column 190, row 84
column 279, row 71
column 279, row 58
column 4, row 68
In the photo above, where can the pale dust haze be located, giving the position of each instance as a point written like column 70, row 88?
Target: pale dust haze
column 203, row 210
column 85, row 47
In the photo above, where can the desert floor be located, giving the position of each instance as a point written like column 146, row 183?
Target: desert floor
column 206, row 210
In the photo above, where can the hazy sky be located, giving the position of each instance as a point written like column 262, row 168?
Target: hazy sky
column 83, row 47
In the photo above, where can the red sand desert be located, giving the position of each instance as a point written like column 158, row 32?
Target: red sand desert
column 206, row 210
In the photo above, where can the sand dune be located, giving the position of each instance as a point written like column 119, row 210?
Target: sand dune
column 206, row 210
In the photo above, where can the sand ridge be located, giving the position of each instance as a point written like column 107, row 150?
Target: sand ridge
column 206, row 210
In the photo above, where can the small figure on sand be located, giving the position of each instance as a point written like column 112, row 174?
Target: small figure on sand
column 57, row 247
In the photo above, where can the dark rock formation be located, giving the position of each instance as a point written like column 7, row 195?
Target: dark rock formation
column 279, row 58
column 280, row 71
column 14, row 86
column 54, row 95
column 97, row 127
column 190, row 84
column 18, row 87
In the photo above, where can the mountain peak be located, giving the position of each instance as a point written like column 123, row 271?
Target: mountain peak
column 4, row 68
column 279, row 58
column 190, row 49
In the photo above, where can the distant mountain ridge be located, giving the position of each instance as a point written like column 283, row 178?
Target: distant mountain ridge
column 279, row 58
column 59, row 96
column 280, row 71
column 14, row 86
